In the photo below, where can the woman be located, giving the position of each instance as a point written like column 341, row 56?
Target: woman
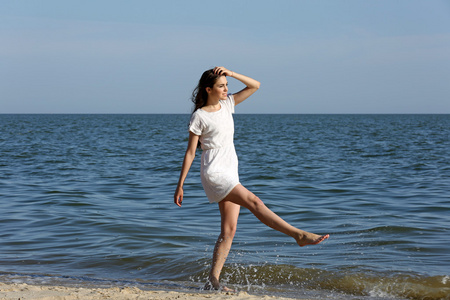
column 212, row 125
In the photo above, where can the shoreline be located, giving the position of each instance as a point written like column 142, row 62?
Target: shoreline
column 10, row 291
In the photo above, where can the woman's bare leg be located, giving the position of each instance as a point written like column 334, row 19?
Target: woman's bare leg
column 241, row 196
column 229, row 213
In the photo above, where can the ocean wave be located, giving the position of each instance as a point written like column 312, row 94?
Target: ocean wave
column 352, row 282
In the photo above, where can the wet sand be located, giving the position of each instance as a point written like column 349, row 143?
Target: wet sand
column 23, row 291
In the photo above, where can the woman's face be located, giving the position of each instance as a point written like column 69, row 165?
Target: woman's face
column 219, row 89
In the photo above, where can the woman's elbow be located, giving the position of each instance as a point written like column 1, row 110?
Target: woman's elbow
column 190, row 153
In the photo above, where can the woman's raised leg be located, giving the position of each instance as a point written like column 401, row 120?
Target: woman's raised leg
column 229, row 213
column 241, row 196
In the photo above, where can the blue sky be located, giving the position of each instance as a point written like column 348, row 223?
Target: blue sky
column 110, row 56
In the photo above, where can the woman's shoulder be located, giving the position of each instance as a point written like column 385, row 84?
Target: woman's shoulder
column 229, row 102
column 196, row 124
column 230, row 97
column 196, row 114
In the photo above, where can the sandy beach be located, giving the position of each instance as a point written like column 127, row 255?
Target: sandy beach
column 23, row 291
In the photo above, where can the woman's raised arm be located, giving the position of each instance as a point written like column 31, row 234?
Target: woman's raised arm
column 252, row 85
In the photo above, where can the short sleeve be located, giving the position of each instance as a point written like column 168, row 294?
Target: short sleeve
column 195, row 126
column 231, row 102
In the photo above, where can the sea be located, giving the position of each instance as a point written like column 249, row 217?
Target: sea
column 87, row 200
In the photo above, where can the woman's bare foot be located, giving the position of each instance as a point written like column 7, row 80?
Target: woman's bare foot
column 306, row 238
column 214, row 285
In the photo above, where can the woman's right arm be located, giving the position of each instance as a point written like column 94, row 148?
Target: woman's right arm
column 187, row 162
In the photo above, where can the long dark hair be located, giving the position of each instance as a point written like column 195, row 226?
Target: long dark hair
column 199, row 95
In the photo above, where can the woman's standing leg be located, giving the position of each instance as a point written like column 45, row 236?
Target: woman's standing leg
column 241, row 196
column 229, row 213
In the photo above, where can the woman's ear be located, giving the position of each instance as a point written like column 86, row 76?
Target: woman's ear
column 208, row 90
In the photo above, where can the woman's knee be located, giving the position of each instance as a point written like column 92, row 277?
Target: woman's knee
column 229, row 212
column 229, row 230
column 254, row 202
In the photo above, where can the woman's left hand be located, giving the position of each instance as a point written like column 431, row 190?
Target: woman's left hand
column 222, row 71
column 178, row 197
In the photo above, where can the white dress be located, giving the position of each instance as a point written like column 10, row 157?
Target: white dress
column 219, row 162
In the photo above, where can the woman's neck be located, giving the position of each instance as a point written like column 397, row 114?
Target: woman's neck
column 212, row 101
column 212, row 105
